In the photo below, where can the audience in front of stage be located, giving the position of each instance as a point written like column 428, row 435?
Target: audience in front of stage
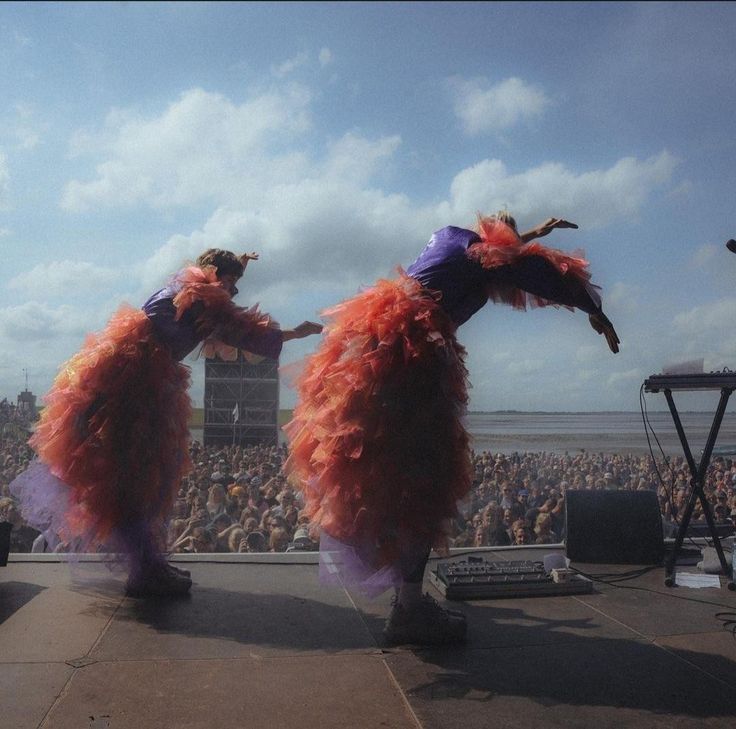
column 238, row 500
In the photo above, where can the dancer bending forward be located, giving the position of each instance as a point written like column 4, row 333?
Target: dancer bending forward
column 377, row 440
column 112, row 442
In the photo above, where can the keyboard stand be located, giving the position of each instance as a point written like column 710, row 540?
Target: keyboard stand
column 697, row 483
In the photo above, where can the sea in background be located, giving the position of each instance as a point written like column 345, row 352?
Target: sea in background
column 605, row 432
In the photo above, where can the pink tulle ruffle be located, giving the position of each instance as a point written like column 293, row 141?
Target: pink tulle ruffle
column 500, row 245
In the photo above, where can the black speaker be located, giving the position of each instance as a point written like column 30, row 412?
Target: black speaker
column 613, row 527
column 5, row 528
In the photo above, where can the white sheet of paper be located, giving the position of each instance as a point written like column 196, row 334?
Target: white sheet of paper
column 692, row 579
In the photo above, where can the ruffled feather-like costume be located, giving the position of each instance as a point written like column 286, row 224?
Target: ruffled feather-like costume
column 377, row 439
column 112, row 442
column 114, row 430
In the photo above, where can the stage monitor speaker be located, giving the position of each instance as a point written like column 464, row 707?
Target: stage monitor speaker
column 613, row 527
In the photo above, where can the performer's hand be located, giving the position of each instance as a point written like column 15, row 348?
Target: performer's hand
column 600, row 322
column 305, row 329
column 545, row 228
column 551, row 223
column 246, row 257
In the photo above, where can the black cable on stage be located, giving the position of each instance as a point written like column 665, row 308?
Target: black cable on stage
column 611, row 577
column 728, row 619
column 647, row 428
column 668, row 492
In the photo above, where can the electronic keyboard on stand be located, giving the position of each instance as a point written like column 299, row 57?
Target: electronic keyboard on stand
column 699, row 381
column 725, row 382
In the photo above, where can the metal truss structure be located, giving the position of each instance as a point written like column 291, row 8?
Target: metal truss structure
column 241, row 402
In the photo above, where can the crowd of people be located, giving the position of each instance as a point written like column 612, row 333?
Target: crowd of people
column 520, row 498
column 15, row 455
column 15, row 417
column 239, row 500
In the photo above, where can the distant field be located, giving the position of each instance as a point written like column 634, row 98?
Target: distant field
column 197, row 419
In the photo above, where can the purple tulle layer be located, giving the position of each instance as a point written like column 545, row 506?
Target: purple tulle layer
column 43, row 499
column 341, row 565
column 45, row 503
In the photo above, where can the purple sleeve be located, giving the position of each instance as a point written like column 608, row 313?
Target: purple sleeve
column 537, row 276
column 247, row 329
column 266, row 342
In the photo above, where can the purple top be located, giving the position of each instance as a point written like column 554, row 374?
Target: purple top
column 183, row 336
column 444, row 266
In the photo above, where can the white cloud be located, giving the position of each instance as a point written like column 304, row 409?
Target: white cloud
column 623, row 297
column 713, row 264
column 681, row 191
column 36, row 321
column 592, row 199
column 27, row 138
column 585, row 376
column 714, row 343
column 588, row 353
column 707, row 321
column 483, row 108
column 202, row 147
column 327, row 225
column 704, row 255
column 357, row 159
column 21, row 40
column 4, row 232
column 525, row 366
column 626, row 378
column 336, row 227
column 59, row 278
column 317, row 231
column 287, row 67
column 325, row 57
column 226, row 228
column 24, row 128
column 4, row 182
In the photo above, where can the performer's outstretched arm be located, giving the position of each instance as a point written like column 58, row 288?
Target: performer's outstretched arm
column 600, row 322
column 305, row 329
column 545, row 228
column 538, row 276
column 219, row 318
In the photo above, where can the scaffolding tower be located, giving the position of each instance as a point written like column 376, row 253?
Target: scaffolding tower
column 241, row 402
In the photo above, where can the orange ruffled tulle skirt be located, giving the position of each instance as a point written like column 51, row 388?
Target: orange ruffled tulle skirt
column 114, row 434
column 377, row 441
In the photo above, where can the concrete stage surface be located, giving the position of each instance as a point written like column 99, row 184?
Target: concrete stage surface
column 265, row 645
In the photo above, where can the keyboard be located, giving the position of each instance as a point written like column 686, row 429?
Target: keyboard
column 480, row 579
column 698, row 381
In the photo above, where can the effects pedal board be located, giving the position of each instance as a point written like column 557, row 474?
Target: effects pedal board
column 477, row 579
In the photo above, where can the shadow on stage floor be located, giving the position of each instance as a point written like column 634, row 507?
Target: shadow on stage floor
column 74, row 647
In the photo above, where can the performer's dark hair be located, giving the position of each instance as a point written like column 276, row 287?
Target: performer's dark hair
column 225, row 262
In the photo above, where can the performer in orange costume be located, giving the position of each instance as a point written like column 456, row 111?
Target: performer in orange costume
column 112, row 439
column 377, row 440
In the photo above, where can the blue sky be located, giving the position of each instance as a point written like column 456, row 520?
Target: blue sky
column 333, row 138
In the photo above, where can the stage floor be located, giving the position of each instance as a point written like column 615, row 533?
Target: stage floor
column 265, row 645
